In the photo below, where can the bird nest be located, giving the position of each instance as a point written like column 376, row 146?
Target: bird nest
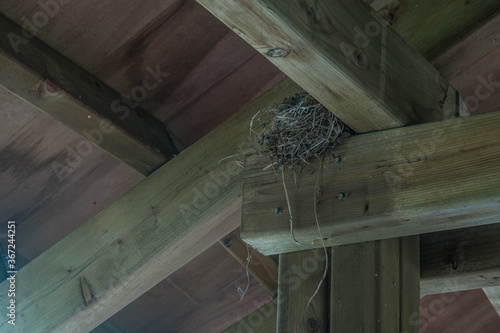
column 297, row 130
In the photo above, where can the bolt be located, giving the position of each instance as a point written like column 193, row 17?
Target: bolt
column 276, row 53
column 336, row 160
column 277, row 211
column 312, row 324
column 280, row 169
column 340, row 196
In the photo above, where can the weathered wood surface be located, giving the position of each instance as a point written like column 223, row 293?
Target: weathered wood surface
column 348, row 58
column 475, row 45
column 375, row 286
column 461, row 259
column 395, row 183
column 165, row 221
column 55, row 85
column 263, row 268
column 300, row 273
column 432, row 26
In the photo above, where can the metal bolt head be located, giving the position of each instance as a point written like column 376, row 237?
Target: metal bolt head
column 340, row 196
column 277, row 211
column 276, row 52
column 336, row 160
column 312, row 324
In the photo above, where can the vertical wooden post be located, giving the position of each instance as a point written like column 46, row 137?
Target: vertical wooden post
column 375, row 287
column 299, row 275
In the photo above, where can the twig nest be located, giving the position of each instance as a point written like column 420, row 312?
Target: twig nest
column 297, row 130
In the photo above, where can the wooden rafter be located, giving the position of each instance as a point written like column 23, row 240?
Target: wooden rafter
column 55, row 85
column 139, row 240
column 347, row 57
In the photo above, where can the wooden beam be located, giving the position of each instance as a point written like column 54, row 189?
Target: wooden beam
column 346, row 56
column 263, row 268
column 55, row 85
column 461, row 259
column 395, row 183
column 375, row 286
column 300, row 273
column 164, row 222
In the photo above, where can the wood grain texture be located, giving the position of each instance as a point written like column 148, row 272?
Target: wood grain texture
column 263, row 268
column 60, row 88
column 465, row 52
column 87, row 32
column 201, row 296
column 375, row 287
column 432, row 26
column 394, row 183
column 460, row 259
column 300, row 273
column 369, row 83
column 165, row 221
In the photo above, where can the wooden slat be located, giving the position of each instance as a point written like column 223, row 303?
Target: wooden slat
column 164, row 222
column 375, row 286
column 379, row 83
column 55, row 85
column 493, row 294
column 460, row 259
column 300, row 273
column 263, row 268
column 399, row 182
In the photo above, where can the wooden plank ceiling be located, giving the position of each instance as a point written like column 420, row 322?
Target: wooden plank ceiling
column 210, row 74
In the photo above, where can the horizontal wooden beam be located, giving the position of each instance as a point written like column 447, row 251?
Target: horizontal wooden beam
column 346, row 56
column 389, row 184
column 55, row 85
column 461, row 259
column 140, row 239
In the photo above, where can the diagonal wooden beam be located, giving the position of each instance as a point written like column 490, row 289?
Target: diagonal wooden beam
column 55, row 85
column 346, row 56
column 263, row 268
column 140, row 239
